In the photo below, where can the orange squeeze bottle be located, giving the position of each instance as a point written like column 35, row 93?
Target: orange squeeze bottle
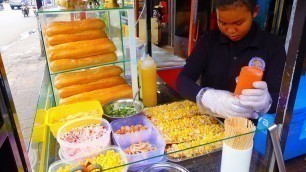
column 247, row 76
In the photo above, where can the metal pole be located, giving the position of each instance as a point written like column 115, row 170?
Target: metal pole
column 192, row 25
column 42, row 47
column 274, row 133
column 148, row 20
column 280, row 14
column 275, row 17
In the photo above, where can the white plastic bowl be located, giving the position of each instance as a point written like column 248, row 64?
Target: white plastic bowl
column 72, row 150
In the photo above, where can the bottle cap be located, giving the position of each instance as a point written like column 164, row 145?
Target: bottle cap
column 148, row 61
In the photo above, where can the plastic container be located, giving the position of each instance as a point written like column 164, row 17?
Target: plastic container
column 247, row 76
column 56, row 165
column 131, row 137
column 60, row 112
column 149, row 82
column 140, row 47
column 40, row 125
column 234, row 160
column 154, row 139
column 72, row 150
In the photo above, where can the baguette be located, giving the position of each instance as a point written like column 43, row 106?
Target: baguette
column 64, row 64
column 86, row 35
column 70, row 27
column 86, row 76
column 81, row 88
column 103, row 95
column 81, row 49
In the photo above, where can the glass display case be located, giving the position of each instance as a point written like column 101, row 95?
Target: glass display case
column 195, row 156
column 177, row 134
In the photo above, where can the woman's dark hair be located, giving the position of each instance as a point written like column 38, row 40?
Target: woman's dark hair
column 224, row 4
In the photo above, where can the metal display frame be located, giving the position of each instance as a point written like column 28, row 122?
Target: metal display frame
column 296, row 51
column 10, row 129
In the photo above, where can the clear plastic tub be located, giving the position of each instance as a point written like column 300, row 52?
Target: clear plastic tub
column 58, row 164
column 72, row 150
column 154, row 138
column 131, row 137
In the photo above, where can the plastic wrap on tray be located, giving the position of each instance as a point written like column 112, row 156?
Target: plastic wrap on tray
column 131, row 137
column 184, row 127
column 150, row 136
column 176, row 124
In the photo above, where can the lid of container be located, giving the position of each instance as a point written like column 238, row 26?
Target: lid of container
column 165, row 167
column 148, row 61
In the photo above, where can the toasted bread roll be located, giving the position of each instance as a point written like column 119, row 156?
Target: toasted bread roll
column 81, row 88
column 65, row 64
column 70, row 27
column 102, row 95
column 86, row 76
column 86, row 35
column 81, row 49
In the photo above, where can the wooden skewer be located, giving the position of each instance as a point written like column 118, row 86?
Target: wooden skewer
column 235, row 126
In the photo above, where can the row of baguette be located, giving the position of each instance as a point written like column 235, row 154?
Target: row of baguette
column 75, row 44
column 103, row 84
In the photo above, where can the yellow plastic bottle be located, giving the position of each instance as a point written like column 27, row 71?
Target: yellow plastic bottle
column 149, row 82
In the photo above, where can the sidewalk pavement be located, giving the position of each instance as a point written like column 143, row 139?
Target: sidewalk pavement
column 24, row 68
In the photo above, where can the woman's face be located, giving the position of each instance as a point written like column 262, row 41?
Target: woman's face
column 235, row 21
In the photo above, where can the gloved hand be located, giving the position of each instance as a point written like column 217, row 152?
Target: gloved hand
column 223, row 104
column 259, row 98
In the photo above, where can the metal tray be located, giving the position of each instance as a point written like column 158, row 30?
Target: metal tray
column 219, row 148
column 186, row 158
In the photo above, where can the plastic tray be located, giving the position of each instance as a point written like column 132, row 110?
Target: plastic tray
column 131, row 137
column 57, row 113
column 72, row 150
column 40, row 125
column 155, row 139
column 56, row 165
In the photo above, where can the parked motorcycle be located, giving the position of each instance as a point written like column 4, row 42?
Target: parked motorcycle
column 25, row 8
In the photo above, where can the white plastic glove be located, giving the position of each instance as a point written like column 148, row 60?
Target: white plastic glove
column 259, row 98
column 223, row 104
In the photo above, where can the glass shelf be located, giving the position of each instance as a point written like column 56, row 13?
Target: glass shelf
column 120, row 60
column 56, row 9
column 124, row 65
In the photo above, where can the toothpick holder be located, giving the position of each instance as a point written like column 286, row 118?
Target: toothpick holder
column 234, row 160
